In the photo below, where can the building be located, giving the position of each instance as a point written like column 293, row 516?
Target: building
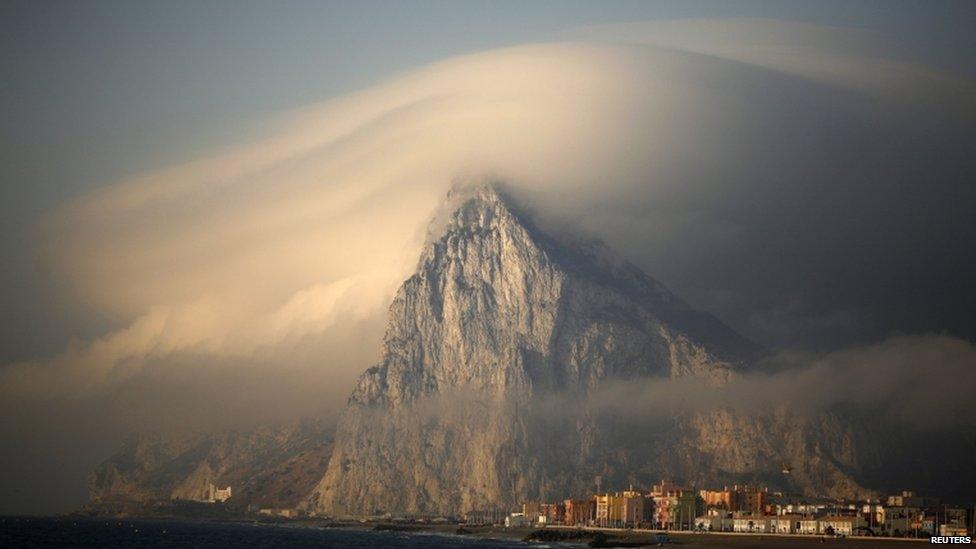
column 667, row 488
column 898, row 521
column 803, row 508
column 276, row 512
column 579, row 512
column 519, row 520
column 212, row 494
column 555, row 513
column 221, row 494
column 720, row 499
column 622, row 509
column 930, row 525
column 751, row 523
column 785, row 524
column 675, row 507
column 954, row 520
column 739, row 498
column 608, row 510
column 841, row 525
column 952, row 530
column 714, row 522
column 754, row 501
column 874, row 515
column 663, row 511
column 486, row 516
column 808, row 525
column 636, row 508
column 531, row 509
column 909, row 498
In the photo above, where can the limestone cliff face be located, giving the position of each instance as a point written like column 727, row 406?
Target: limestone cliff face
column 495, row 304
column 492, row 350
column 268, row 466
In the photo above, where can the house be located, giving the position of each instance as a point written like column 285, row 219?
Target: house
column 519, row 520
column 637, row 508
column 579, row 512
column 953, row 530
column 841, row 525
column 276, row 512
column 220, row 494
column 675, row 506
column 714, row 522
column 909, row 498
column 622, row 509
column 608, row 510
column 213, row 494
column 808, row 525
column 720, row 499
column 751, row 523
column 739, row 498
column 785, row 524
column 555, row 513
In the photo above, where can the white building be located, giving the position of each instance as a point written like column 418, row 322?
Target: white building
column 785, row 524
column 276, row 512
column 837, row 525
column 750, row 523
column 714, row 523
column 212, row 494
column 220, row 494
column 518, row 520
column 809, row 526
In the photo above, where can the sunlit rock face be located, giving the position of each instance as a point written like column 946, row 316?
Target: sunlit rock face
column 491, row 364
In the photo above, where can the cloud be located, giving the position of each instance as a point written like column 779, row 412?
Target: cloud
column 646, row 142
column 205, row 327
column 227, row 254
column 860, row 60
column 920, row 382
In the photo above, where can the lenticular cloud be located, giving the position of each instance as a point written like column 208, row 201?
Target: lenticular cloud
column 250, row 254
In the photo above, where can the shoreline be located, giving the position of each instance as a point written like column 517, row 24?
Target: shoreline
column 568, row 535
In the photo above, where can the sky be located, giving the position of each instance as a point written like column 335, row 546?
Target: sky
column 207, row 206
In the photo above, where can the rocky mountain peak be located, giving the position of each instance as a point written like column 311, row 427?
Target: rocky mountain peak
column 506, row 315
column 498, row 303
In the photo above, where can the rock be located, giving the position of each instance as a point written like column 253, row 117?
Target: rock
column 493, row 354
column 267, row 466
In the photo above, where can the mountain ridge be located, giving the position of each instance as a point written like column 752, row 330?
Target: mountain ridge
column 495, row 386
column 266, row 466
column 502, row 316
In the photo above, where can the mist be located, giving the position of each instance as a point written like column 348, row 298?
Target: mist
column 809, row 186
column 906, row 380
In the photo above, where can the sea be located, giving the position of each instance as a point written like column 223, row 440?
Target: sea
column 88, row 532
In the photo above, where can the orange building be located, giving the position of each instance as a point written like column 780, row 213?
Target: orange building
column 579, row 512
column 555, row 513
column 721, row 499
column 739, row 498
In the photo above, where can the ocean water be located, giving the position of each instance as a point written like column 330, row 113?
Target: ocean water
column 74, row 532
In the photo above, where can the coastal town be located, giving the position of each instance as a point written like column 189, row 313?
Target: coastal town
column 743, row 509
column 735, row 515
